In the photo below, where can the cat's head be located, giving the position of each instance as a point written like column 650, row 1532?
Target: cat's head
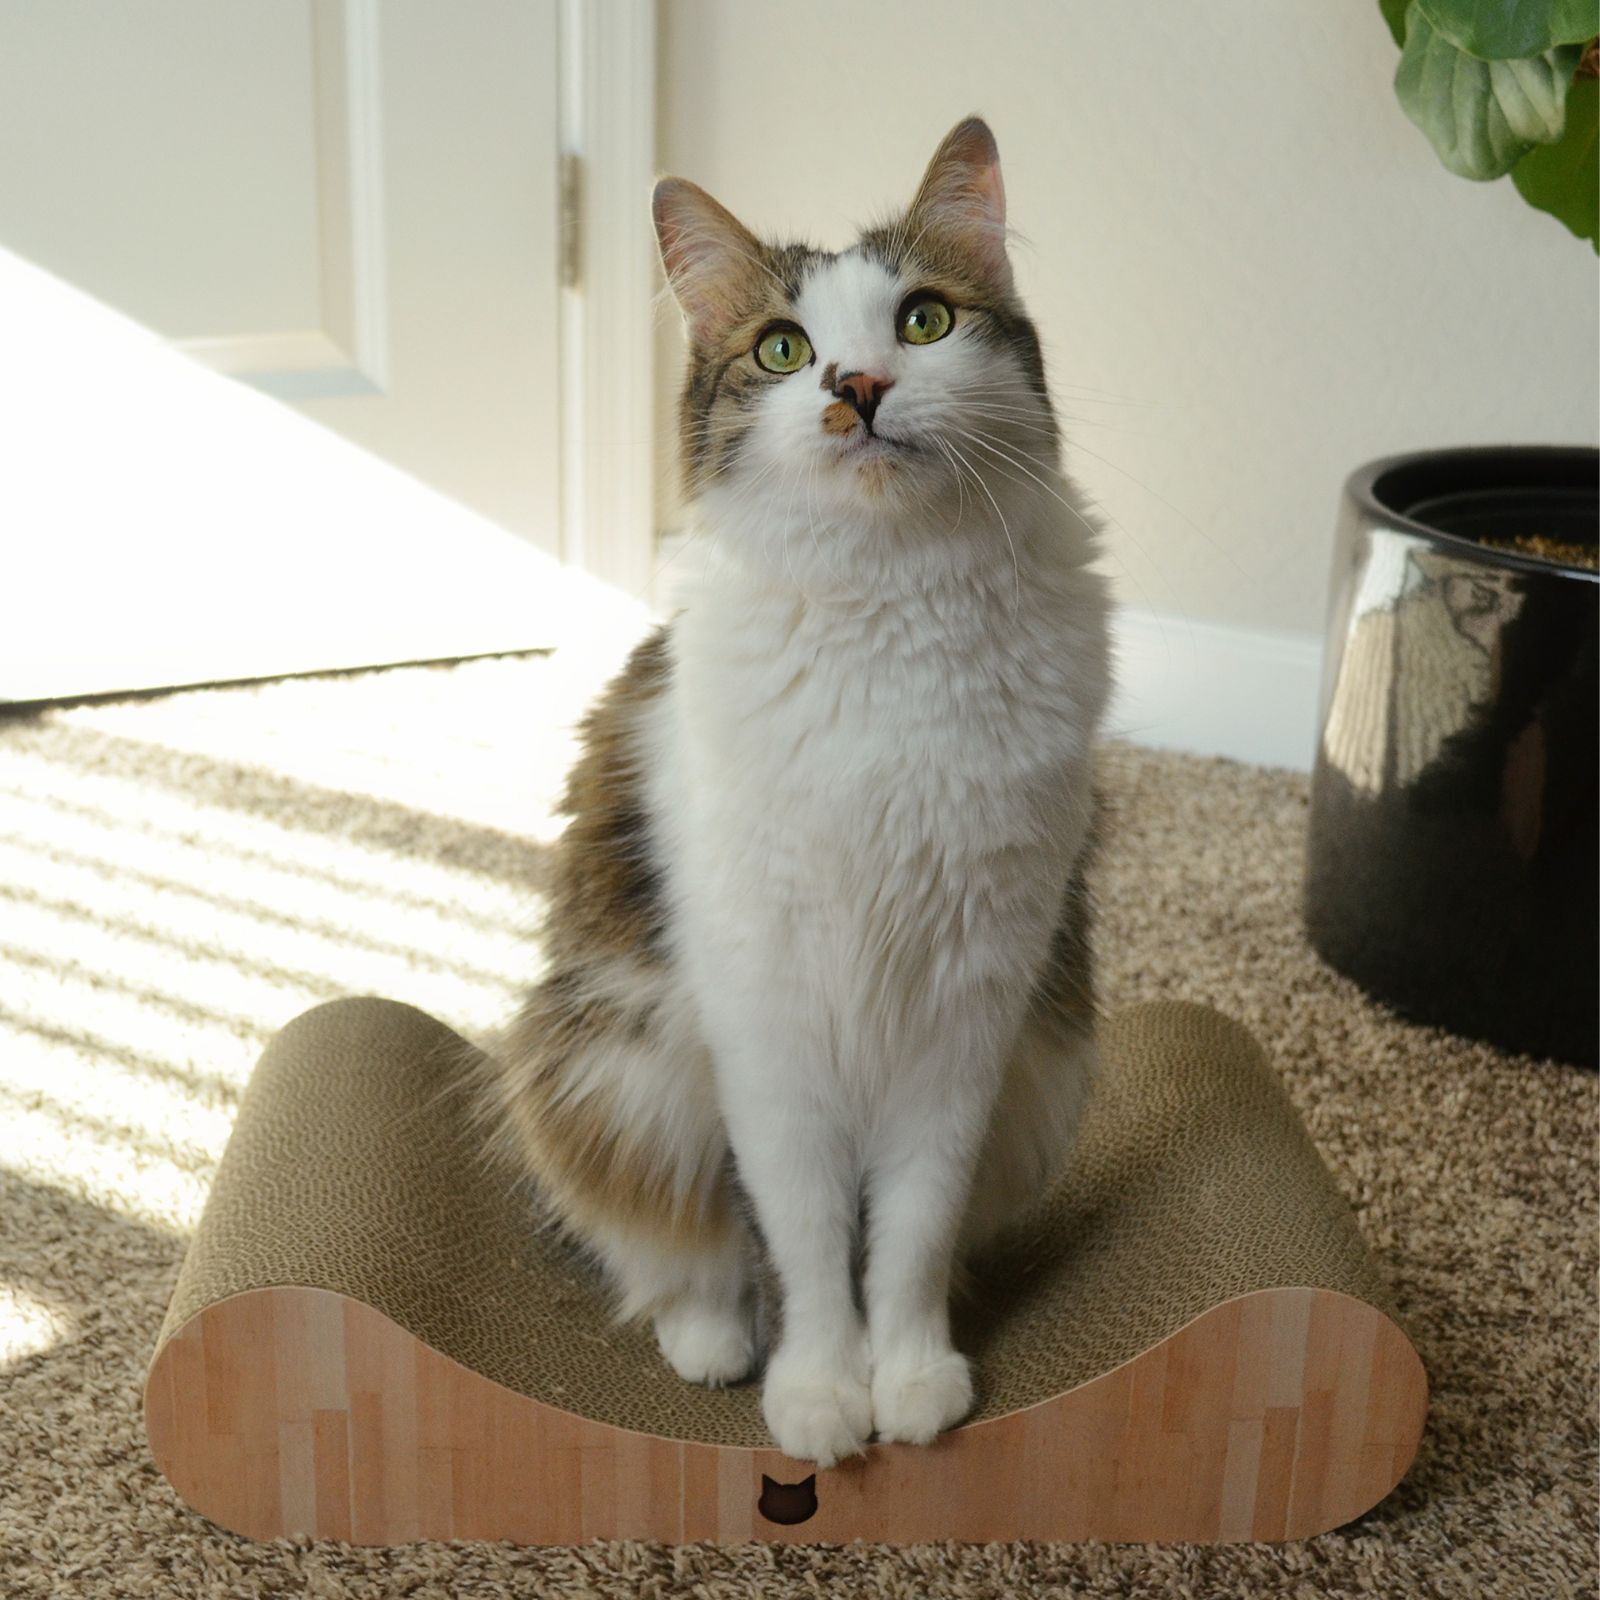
column 900, row 372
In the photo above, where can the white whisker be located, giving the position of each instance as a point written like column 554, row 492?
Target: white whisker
column 1016, row 573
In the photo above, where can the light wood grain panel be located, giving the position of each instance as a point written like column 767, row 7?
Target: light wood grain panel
column 1274, row 1416
column 435, row 1492
column 699, row 1492
column 1241, row 1465
column 330, row 1449
column 394, row 1372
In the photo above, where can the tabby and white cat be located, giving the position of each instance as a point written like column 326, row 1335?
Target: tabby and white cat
column 818, row 942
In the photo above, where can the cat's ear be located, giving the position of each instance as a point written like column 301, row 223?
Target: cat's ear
column 962, row 200
column 710, row 256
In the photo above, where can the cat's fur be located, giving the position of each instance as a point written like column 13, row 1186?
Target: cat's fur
column 818, row 932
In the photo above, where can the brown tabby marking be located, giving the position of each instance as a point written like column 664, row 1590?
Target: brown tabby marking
column 723, row 378
column 604, row 886
column 1065, row 990
column 605, row 910
column 840, row 418
column 575, row 1147
column 938, row 262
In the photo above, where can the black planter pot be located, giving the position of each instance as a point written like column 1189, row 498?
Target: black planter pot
column 1452, row 864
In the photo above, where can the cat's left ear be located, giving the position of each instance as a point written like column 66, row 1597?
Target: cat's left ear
column 710, row 256
column 962, row 200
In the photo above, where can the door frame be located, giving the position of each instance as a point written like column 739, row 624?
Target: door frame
column 609, row 295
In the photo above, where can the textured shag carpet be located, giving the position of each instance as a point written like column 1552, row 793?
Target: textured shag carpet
column 181, row 875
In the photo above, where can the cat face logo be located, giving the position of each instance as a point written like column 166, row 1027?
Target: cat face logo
column 788, row 1502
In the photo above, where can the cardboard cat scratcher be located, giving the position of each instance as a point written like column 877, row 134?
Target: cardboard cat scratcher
column 369, row 1341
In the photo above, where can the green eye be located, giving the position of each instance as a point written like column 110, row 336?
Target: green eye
column 925, row 319
column 783, row 349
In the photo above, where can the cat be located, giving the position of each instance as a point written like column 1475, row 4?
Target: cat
column 818, row 975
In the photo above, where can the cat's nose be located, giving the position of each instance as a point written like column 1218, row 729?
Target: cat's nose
column 863, row 390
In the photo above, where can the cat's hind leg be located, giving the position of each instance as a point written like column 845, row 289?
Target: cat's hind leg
column 1032, row 1129
column 700, row 1295
column 607, row 1101
column 1048, row 1079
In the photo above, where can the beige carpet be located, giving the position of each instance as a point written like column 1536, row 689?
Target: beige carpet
column 180, row 876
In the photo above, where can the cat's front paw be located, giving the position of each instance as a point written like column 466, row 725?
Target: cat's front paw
column 816, row 1410
column 713, row 1345
column 914, row 1398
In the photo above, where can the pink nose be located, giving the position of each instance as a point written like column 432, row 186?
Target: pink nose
column 863, row 390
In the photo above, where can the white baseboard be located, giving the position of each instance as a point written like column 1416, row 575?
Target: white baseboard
column 1216, row 691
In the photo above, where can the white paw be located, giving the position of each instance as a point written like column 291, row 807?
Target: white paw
column 817, row 1411
column 915, row 1400
column 712, row 1345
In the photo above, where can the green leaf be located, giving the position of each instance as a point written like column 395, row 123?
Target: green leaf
column 1481, row 116
column 1394, row 13
column 1532, row 92
column 1499, row 30
column 1564, row 178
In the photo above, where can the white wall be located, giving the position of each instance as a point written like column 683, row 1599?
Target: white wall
column 1249, row 271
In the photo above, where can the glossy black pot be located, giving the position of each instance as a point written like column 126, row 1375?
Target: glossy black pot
column 1452, row 864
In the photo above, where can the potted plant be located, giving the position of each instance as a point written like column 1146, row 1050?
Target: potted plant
column 1455, row 806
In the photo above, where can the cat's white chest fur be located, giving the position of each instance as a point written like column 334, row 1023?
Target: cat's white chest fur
column 883, row 803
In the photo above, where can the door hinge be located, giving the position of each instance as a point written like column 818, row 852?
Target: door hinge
column 571, row 219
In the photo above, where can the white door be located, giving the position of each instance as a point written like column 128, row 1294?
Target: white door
column 279, row 322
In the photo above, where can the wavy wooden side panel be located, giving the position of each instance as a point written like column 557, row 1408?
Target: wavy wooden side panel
column 1277, row 1415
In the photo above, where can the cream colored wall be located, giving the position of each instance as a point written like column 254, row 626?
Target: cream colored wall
column 1248, row 269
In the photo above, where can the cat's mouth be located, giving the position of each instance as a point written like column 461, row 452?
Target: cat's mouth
column 863, row 446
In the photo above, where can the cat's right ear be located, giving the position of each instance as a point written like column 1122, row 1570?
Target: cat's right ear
column 710, row 256
column 963, row 199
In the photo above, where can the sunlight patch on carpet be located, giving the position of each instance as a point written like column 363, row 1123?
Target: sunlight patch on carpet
column 29, row 1324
